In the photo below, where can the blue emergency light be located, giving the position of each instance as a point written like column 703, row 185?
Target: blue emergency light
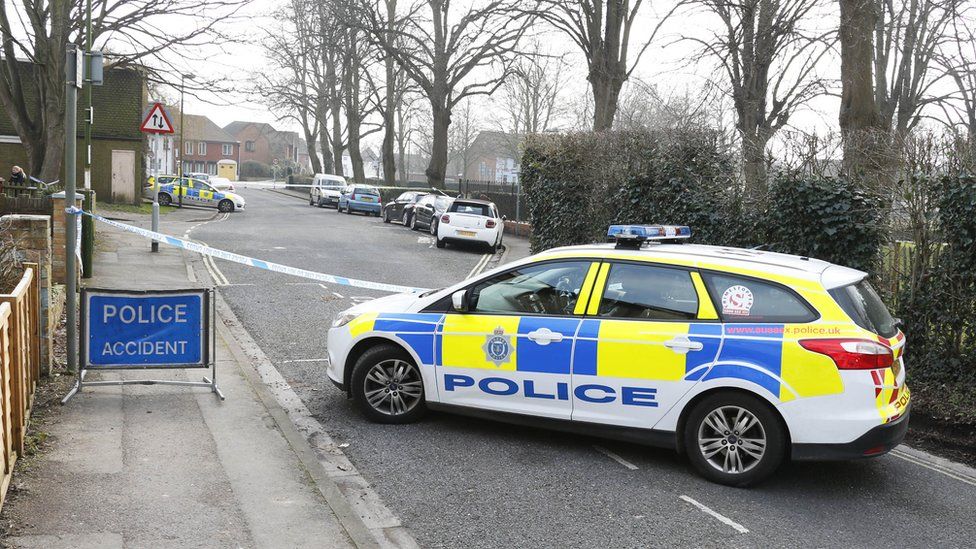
column 633, row 236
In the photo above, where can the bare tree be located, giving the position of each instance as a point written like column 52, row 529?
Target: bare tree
column 957, row 59
column 863, row 131
column 289, row 85
column 130, row 28
column 909, row 34
column 769, row 54
column 356, row 63
column 449, row 55
column 529, row 100
column 602, row 30
column 463, row 132
column 645, row 106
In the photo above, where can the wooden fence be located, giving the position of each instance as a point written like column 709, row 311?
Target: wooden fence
column 35, row 205
column 20, row 359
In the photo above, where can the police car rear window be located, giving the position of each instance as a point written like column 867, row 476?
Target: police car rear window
column 742, row 299
column 865, row 308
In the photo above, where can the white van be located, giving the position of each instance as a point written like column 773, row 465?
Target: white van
column 325, row 190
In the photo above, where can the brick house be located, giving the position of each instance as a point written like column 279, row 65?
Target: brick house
column 263, row 143
column 206, row 145
column 118, row 147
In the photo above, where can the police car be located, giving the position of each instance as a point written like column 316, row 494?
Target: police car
column 737, row 358
column 193, row 192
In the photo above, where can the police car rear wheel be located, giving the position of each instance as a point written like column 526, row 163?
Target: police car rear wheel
column 734, row 439
column 388, row 387
column 165, row 199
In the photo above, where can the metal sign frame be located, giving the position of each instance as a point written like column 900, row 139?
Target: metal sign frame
column 208, row 345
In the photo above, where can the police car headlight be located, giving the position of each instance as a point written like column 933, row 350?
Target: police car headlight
column 343, row 319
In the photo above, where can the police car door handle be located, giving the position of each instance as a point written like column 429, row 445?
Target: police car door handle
column 545, row 336
column 682, row 345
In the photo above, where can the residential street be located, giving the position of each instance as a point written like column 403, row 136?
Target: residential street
column 460, row 482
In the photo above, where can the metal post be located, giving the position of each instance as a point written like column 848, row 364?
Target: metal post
column 89, row 119
column 154, row 247
column 71, row 236
column 179, row 180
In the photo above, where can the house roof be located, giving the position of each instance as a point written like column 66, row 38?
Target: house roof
column 201, row 128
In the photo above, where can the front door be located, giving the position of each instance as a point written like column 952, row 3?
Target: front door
column 513, row 350
column 123, row 175
column 647, row 339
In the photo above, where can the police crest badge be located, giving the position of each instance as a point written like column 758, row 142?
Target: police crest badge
column 498, row 347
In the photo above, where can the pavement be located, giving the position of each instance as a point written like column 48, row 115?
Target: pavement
column 168, row 466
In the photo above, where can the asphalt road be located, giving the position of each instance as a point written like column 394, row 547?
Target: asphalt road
column 460, row 482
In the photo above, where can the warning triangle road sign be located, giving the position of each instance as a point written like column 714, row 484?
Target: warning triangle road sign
column 157, row 121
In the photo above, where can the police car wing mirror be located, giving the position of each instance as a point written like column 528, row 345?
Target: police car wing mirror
column 459, row 300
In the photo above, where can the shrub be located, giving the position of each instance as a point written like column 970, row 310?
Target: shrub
column 826, row 218
column 253, row 168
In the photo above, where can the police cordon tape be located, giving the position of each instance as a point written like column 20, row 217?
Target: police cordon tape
column 283, row 185
column 249, row 261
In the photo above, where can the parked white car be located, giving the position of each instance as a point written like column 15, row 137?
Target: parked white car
column 469, row 220
column 325, row 190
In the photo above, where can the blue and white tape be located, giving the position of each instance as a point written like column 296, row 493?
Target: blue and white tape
column 249, row 261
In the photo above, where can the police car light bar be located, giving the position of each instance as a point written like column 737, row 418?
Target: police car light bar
column 633, row 236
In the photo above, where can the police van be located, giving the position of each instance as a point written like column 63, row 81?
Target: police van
column 738, row 358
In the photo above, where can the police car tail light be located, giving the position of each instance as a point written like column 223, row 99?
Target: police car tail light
column 446, row 219
column 852, row 354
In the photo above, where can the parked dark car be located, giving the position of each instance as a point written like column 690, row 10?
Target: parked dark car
column 428, row 210
column 402, row 208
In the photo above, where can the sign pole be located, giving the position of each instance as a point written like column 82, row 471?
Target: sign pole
column 157, row 123
column 154, row 247
column 72, row 66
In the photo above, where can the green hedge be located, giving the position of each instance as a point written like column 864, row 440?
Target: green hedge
column 826, row 218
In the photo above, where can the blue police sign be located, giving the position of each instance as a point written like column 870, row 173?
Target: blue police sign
column 151, row 329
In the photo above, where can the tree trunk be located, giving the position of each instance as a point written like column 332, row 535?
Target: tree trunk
column 401, row 141
column 862, row 128
column 754, row 167
column 321, row 112
column 389, row 127
column 313, row 155
column 437, row 168
column 606, row 92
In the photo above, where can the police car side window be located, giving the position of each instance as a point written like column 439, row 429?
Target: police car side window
column 549, row 288
column 742, row 299
column 648, row 292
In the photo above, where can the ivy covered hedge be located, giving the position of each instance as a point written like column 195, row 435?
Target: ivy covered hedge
column 578, row 184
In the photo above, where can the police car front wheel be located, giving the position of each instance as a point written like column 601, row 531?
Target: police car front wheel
column 225, row 206
column 387, row 386
column 734, row 439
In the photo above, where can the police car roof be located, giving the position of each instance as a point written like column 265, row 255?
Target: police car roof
column 831, row 275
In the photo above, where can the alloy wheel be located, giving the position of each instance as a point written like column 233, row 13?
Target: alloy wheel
column 393, row 387
column 732, row 439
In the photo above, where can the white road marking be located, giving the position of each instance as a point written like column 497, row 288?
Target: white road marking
column 616, row 458
column 361, row 298
column 425, row 240
column 304, row 360
column 479, row 266
column 721, row 518
column 933, row 467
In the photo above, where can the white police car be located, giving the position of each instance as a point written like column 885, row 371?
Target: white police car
column 738, row 358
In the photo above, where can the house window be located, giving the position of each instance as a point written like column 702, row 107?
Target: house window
column 202, row 148
column 249, row 146
column 166, row 144
column 212, row 168
column 188, row 148
column 227, row 149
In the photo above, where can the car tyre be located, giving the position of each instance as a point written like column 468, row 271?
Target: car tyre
column 387, row 386
column 413, row 223
column 734, row 439
column 311, row 201
column 433, row 227
column 165, row 199
column 386, row 215
column 406, row 218
column 440, row 243
column 225, row 206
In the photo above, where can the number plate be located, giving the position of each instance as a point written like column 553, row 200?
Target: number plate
column 467, row 233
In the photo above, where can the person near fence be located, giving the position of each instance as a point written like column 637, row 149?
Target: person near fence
column 17, row 176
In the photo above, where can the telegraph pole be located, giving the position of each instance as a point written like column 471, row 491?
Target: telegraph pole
column 90, row 117
column 73, row 81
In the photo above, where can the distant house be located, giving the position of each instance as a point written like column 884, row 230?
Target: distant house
column 493, row 156
column 206, row 146
column 261, row 142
